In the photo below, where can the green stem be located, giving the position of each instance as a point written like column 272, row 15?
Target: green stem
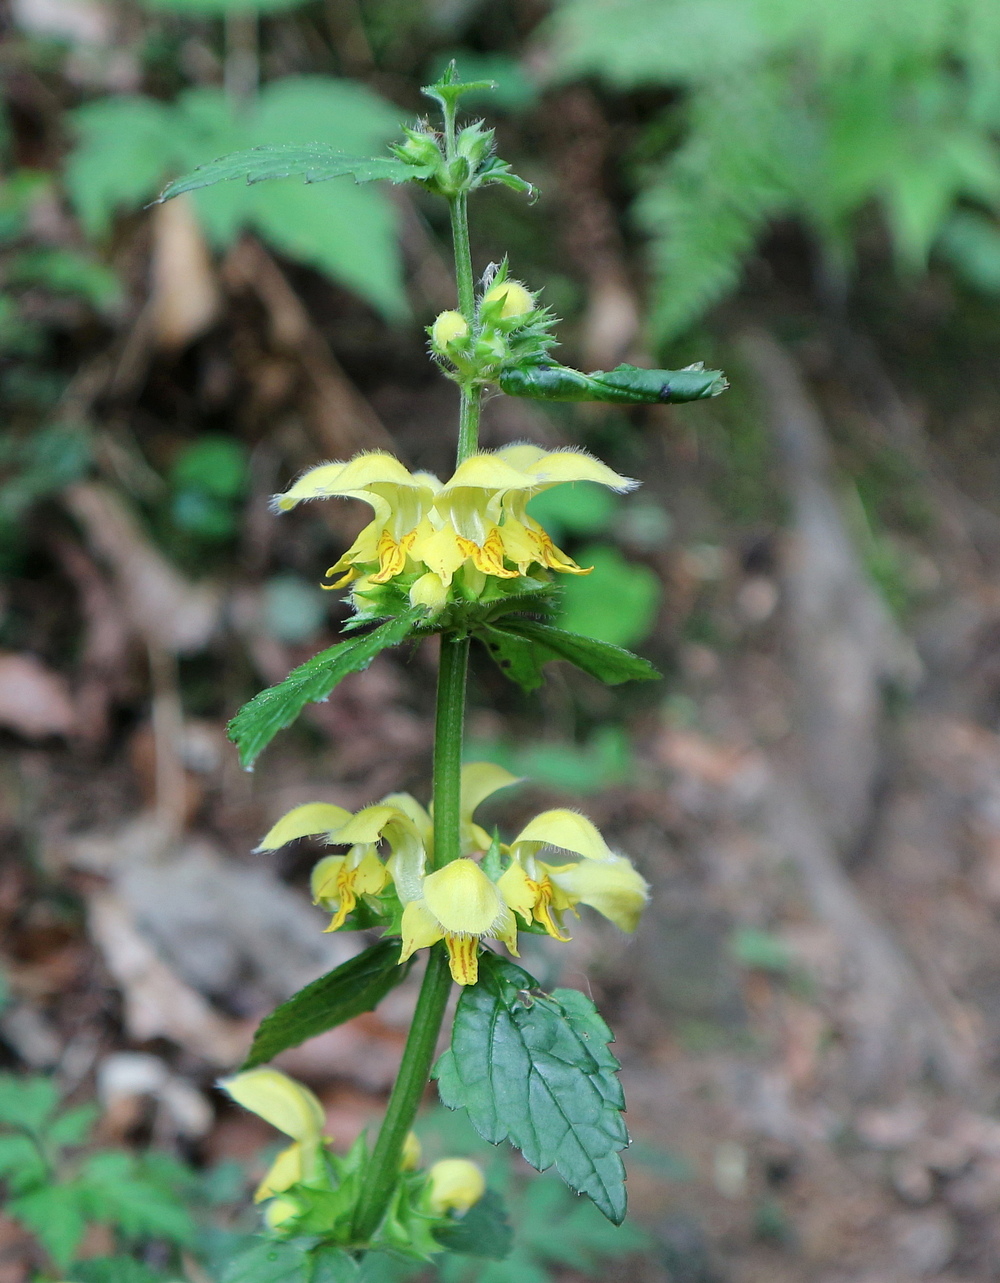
column 415, row 1068
column 448, row 748
column 472, row 393
column 414, row 1071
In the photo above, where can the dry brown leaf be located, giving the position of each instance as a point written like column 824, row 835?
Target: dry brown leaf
column 157, row 1003
column 185, row 298
column 165, row 609
column 34, row 701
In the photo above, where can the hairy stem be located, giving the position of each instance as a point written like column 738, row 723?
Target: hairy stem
column 472, row 393
column 414, row 1071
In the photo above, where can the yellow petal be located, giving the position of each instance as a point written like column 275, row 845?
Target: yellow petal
column 304, row 821
column 489, row 472
column 411, row 807
column 279, row 1100
column 613, row 887
column 463, row 958
column 462, row 898
column 513, row 887
column 323, row 882
column 430, row 591
column 285, row 1171
column 419, row 929
column 559, row 466
column 448, row 326
column 439, row 551
column 454, row 1185
column 481, row 780
column 567, row 830
column 367, row 825
column 332, row 480
column 505, row 930
column 370, row 876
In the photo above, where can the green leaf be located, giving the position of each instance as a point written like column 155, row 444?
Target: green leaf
column 483, row 1231
column 113, row 1191
column 314, row 163
column 257, row 723
column 616, row 603
column 54, row 1214
column 27, row 1103
column 73, row 1127
column 355, row 986
column 21, row 1165
column 270, row 1262
column 113, row 1269
column 334, row 1265
column 522, row 646
column 517, row 658
column 536, row 1069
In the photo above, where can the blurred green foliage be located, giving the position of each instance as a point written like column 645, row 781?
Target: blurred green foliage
column 130, row 145
column 816, row 112
column 56, row 1191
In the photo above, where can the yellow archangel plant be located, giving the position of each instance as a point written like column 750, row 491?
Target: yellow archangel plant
column 463, row 559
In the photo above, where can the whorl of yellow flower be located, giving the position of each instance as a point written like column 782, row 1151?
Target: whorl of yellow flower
column 427, row 530
column 459, row 903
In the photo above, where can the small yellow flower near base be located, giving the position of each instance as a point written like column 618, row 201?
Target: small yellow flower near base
column 279, row 1212
column 454, row 1185
column 292, row 1109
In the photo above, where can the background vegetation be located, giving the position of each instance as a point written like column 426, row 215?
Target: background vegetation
column 806, row 195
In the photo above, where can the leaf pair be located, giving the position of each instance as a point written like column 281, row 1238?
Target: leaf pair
column 519, row 645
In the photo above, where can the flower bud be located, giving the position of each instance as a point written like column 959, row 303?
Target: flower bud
column 419, row 149
column 475, row 142
column 412, row 1152
column 429, row 591
column 454, row 1185
column 448, row 327
column 517, row 301
column 279, row 1211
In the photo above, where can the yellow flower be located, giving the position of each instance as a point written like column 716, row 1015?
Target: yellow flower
column 454, row 1185
column 459, row 905
column 544, row 892
column 337, row 880
column 400, row 499
column 292, row 1109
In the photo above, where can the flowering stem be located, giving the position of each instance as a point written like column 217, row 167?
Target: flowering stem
column 418, row 1054
column 411, row 1081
